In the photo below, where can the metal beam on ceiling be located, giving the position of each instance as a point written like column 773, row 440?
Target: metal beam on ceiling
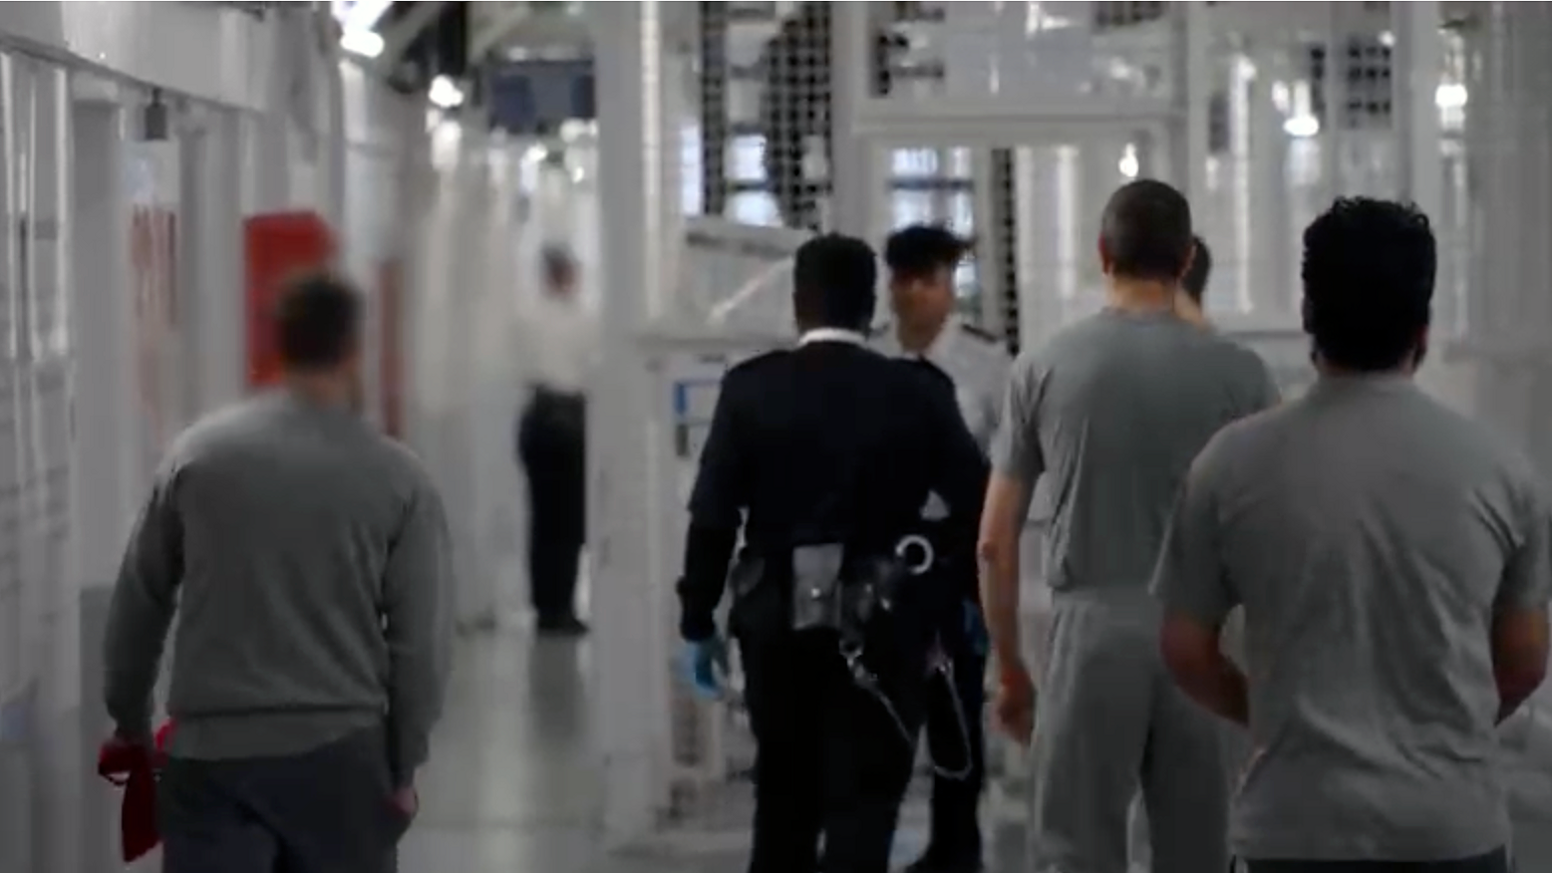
column 399, row 34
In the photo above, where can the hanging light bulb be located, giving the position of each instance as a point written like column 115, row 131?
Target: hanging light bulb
column 1129, row 165
column 445, row 93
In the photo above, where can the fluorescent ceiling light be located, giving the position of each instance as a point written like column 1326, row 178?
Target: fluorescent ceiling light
column 444, row 93
column 1450, row 96
column 359, row 14
column 1302, row 126
column 365, row 43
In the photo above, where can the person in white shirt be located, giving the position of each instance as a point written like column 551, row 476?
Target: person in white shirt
column 551, row 441
column 922, row 259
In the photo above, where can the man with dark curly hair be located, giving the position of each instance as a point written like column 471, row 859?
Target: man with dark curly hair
column 1394, row 563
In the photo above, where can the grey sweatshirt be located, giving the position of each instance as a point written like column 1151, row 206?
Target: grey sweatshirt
column 307, row 559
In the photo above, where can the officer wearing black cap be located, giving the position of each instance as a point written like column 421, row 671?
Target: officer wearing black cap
column 922, row 260
column 824, row 455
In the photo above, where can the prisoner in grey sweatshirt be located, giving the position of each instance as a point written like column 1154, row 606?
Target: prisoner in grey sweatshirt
column 307, row 559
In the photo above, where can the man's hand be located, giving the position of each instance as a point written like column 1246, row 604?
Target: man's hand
column 407, row 801
column 1194, row 658
column 1015, row 706
column 975, row 629
column 704, row 663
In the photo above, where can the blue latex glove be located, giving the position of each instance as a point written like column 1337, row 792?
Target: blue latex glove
column 703, row 664
column 975, row 630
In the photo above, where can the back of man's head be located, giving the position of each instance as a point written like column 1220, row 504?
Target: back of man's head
column 834, row 283
column 318, row 324
column 1369, row 269
column 1194, row 282
column 1145, row 232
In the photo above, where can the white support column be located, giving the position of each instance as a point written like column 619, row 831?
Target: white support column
column 1509, row 126
column 267, row 164
column 1510, row 130
column 331, row 127
column 676, row 85
column 1193, row 84
column 1053, row 237
column 989, row 242
column 1271, row 237
column 211, row 260
column 108, row 455
column 854, row 174
column 266, row 138
column 628, row 609
column 58, row 764
column 1416, row 66
column 21, row 581
column 1333, row 127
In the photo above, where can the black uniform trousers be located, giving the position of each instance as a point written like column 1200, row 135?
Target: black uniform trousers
column 955, row 721
column 1493, row 862
column 552, row 446
column 831, row 763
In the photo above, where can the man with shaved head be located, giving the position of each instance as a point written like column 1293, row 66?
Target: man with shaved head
column 1113, row 410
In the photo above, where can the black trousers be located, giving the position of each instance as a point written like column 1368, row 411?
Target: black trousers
column 1492, row 862
column 326, row 811
column 956, row 827
column 552, row 438
column 831, row 765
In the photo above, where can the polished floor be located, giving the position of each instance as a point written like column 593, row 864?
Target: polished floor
column 511, row 786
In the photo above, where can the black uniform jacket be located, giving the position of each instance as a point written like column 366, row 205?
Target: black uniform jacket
column 793, row 429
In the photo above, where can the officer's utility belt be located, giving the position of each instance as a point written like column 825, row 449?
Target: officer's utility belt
column 832, row 591
column 849, row 595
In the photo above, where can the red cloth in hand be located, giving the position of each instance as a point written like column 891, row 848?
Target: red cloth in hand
column 133, row 767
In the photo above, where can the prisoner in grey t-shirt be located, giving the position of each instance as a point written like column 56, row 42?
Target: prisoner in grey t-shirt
column 1111, row 411
column 1369, row 533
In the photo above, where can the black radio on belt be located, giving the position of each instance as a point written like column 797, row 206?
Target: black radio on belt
column 822, row 586
column 833, row 590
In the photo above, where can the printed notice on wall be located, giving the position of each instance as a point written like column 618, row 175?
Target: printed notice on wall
column 694, row 383
column 690, row 388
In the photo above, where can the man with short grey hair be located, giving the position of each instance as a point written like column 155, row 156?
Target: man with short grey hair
column 1111, row 412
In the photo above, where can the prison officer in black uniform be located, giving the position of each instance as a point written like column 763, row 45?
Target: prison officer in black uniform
column 826, row 443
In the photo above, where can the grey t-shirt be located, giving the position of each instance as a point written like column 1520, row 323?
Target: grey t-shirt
column 1111, row 412
column 307, row 559
column 1370, row 533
